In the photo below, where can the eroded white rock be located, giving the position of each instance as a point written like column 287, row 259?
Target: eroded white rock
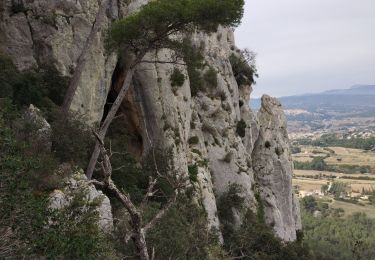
column 76, row 184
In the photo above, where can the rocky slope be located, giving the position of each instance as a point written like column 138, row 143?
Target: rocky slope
column 41, row 33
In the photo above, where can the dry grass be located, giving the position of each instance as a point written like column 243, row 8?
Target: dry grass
column 309, row 184
column 351, row 157
column 342, row 156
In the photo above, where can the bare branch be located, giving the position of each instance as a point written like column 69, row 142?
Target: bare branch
column 160, row 214
column 150, row 191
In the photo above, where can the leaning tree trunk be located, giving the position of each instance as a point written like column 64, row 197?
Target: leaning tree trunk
column 68, row 99
column 136, row 223
column 108, row 120
column 138, row 235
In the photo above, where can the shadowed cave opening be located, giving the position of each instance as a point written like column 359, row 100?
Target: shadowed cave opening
column 129, row 117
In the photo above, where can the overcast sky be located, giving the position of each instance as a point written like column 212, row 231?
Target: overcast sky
column 306, row 46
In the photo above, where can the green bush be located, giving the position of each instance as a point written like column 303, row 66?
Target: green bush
column 229, row 200
column 243, row 67
column 241, row 128
column 196, row 151
column 253, row 239
column 44, row 88
column 194, row 64
column 193, row 172
column 309, row 203
column 193, row 140
column 210, row 78
column 156, row 20
column 182, row 233
column 177, row 78
column 18, row 6
column 72, row 140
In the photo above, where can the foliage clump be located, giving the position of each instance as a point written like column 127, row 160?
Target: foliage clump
column 151, row 26
column 193, row 172
column 18, row 6
column 72, row 140
column 253, row 239
column 241, row 128
column 243, row 67
column 177, row 78
column 182, row 233
column 210, row 78
column 193, row 140
column 44, row 88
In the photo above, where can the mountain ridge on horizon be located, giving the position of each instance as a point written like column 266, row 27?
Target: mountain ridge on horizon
column 357, row 95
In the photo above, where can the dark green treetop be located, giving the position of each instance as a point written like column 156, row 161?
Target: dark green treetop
column 151, row 27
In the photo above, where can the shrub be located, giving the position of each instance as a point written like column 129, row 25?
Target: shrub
column 194, row 64
column 182, row 233
column 177, row 78
column 210, row 78
column 229, row 200
column 244, row 68
column 197, row 152
column 193, row 172
column 44, row 88
column 193, row 140
column 18, row 6
column 309, row 203
column 241, row 128
column 72, row 140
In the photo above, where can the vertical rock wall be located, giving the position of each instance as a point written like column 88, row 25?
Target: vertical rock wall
column 273, row 169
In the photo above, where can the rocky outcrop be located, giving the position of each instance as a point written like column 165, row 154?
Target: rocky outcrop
column 39, row 127
column 273, row 170
column 200, row 130
column 77, row 186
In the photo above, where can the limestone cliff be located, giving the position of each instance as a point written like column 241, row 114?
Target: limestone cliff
column 273, row 168
column 41, row 32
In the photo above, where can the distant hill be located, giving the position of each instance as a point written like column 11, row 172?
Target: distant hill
column 358, row 96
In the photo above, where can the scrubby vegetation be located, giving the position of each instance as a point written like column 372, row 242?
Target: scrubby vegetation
column 318, row 164
column 241, row 128
column 28, row 175
column 253, row 239
column 210, row 78
column 177, row 78
column 243, row 66
column 44, row 88
column 333, row 236
column 334, row 140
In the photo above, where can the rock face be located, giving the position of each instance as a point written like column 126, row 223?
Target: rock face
column 41, row 33
column 53, row 33
column 273, row 169
column 77, row 184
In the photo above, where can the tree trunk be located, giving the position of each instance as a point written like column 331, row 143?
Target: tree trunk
column 68, row 99
column 136, row 222
column 135, row 215
column 108, row 120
